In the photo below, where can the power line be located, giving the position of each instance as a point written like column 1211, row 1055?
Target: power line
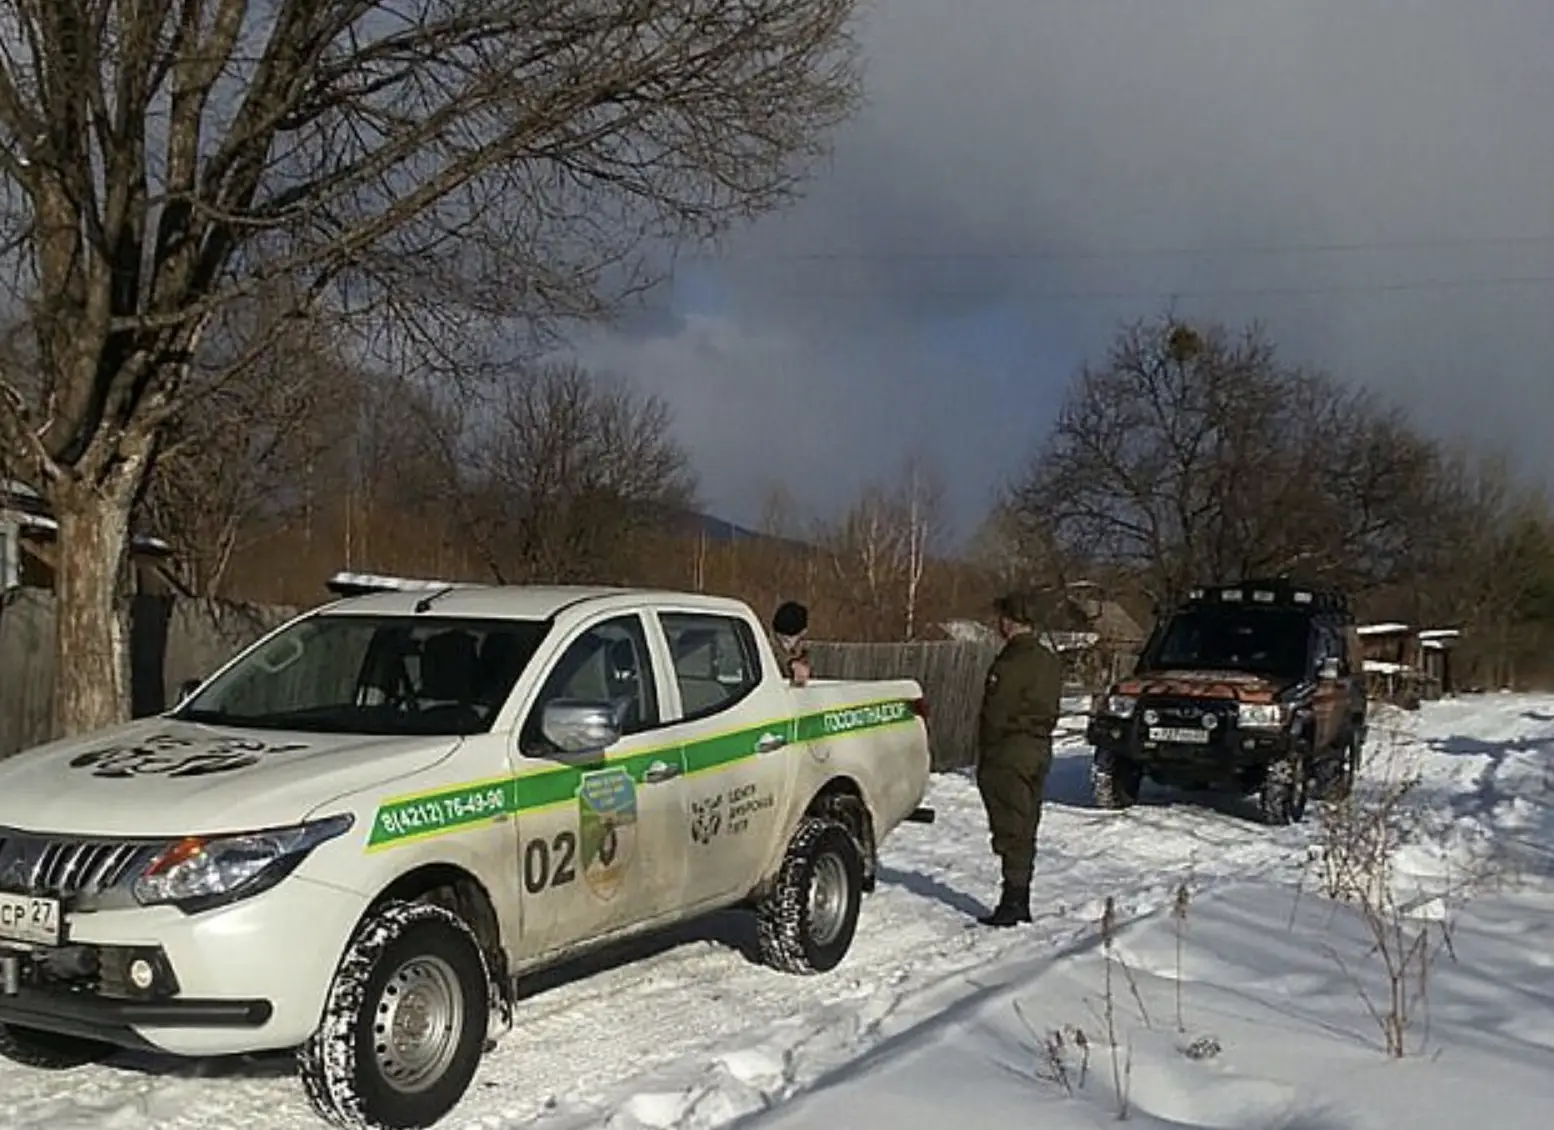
column 1017, row 294
column 1089, row 254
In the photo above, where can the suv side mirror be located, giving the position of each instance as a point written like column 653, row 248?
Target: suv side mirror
column 186, row 690
column 1328, row 668
column 580, row 727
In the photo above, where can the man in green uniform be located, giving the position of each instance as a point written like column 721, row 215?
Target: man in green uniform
column 1014, row 736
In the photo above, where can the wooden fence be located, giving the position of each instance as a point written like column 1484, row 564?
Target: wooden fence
column 171, row 640
column 951, row 674
column 174, row 639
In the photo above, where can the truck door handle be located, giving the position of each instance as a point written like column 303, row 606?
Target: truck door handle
column 659, row 772
column 768, row 743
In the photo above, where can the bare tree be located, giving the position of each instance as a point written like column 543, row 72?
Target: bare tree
column 454, row 163
column 1491, row 565
column 566, row 472
column 920, row 503
column 868, row 558
column 882, row 547
column 1192, row 457
column 249, row 446
column 1015, row 548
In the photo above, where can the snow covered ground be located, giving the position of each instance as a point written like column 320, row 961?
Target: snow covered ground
column 931, row 1019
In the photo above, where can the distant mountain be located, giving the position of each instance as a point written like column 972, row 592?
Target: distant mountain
column 719, row 531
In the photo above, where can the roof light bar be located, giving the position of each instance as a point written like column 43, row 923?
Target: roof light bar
column 361, row 584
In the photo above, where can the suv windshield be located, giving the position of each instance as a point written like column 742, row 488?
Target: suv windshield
column 1257, row 641
column 388, row 675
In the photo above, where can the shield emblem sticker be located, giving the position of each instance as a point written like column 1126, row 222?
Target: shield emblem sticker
column 607, row 828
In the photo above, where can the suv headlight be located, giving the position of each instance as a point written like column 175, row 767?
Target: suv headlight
column 200, row 872
column 1119, row 705
column 1260, row 715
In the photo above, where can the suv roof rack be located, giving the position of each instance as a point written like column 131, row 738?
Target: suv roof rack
column 1277, row 592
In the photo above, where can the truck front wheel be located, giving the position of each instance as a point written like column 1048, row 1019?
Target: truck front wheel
column 404, row 1023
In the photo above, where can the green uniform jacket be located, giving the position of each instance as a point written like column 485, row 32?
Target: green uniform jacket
column 1021, row 701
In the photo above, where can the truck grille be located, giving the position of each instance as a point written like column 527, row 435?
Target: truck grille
column 68, row 868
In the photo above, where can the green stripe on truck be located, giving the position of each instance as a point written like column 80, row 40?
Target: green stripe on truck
column 443, row 811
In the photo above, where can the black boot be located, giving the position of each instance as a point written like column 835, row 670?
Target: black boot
column 1014, row 907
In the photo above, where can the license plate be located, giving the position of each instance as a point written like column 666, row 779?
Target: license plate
column 24, row 918
column 1180, row 736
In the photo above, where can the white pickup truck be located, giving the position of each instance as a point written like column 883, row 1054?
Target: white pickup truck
column 353, row 837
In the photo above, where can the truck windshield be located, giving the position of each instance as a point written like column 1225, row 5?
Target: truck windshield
column 381, row 675
column 1270, row 642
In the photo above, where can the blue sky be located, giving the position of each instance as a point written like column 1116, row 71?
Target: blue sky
column 1372, row 180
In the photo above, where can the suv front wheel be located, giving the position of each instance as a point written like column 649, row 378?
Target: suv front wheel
column 1285, row 788
column 1115, row 780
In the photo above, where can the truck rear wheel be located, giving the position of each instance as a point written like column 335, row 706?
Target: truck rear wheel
column 49, row 1051
column 405, row 1022
column 1115, row 780
column 806, row 924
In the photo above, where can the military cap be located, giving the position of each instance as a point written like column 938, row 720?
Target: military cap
column 1019, row 607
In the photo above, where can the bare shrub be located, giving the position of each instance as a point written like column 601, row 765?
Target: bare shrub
column 1121, row 1059
column 1056, row 1048
column 1179, row 908
column 1355, row 858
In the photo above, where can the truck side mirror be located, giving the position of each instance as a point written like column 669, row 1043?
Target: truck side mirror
column 580, row 727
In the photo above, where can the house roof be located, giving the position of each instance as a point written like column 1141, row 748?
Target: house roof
column 31, row 513
column 1387, row 629
column 1109, row 620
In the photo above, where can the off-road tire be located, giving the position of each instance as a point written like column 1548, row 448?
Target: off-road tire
column 1286, row 789
column 820, row 849
column 1115, row 781
column 341, row 1074
column 1343, row 765
column 49, row 1051
column 853, row 814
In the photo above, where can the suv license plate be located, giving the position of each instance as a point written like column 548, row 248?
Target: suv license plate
column 25, row 918
column 1180, row 736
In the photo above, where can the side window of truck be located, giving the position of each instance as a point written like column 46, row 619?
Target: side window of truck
column 716, row 662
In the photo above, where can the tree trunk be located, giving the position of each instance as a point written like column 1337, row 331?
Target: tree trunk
column 91, row 656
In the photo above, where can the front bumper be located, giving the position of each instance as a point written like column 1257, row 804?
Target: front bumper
column 1229, row 751
column 247, row 977
column 121, row 1022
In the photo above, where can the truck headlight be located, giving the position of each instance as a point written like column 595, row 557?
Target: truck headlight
column 1120, row 705
column 1260, row 715
column 201, row 872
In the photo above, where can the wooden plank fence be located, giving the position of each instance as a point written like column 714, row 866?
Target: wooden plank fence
column 951, row 673
column 171, row 640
